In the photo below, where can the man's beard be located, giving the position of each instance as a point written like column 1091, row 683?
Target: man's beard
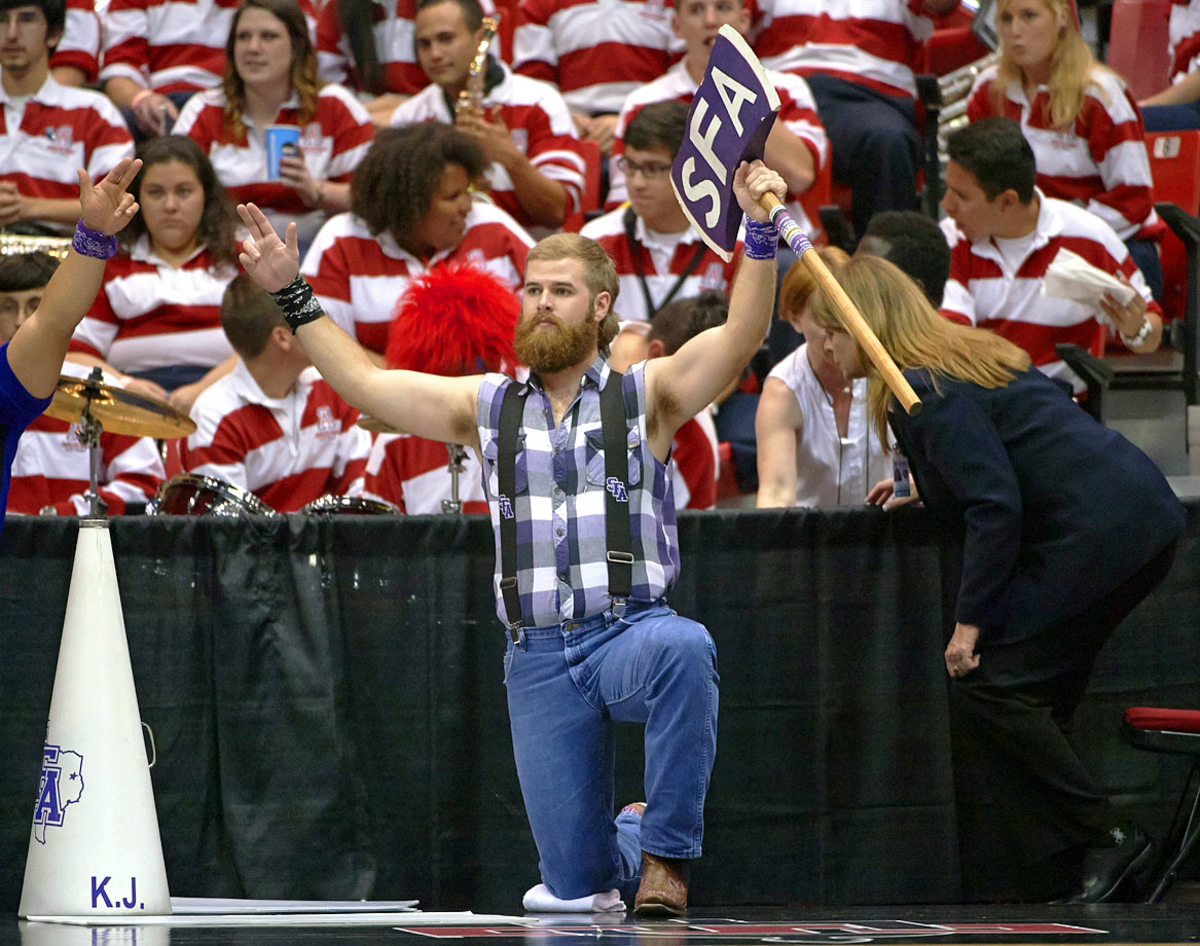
column 549, row 350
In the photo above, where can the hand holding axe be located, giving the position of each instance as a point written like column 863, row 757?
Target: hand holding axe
column 731, row 115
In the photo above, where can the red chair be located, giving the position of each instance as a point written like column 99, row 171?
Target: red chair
column 1175, row 731
column 591, row 198
column 1175, row 168
column 952, row 44
column 1138, row 44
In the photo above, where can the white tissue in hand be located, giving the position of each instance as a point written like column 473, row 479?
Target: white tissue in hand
column 1070, row 276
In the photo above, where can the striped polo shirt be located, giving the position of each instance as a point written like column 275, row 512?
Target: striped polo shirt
column 559, row 504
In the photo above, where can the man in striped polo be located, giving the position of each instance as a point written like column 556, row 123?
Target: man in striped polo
column 1004, row 233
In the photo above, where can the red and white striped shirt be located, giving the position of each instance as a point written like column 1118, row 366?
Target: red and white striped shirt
column 167, row 45
column 984, row 289
column 413, row 474
column 877, row 43
column 539, row 123
column 1099, row 163
column 358, row 278
column 60, row 130
column 52, row 467
column 150, row 315
column 596, row 51
column 1183, row 34
column 696, row 462
column 332, row 145
column 797, row 113
column 664, row 258
column 80, row 43
column 287, row 451
column 395, row 45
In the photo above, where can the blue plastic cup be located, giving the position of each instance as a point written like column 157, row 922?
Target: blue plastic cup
column 282, row 141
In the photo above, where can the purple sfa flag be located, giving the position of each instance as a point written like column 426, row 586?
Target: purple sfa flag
column 731, row 114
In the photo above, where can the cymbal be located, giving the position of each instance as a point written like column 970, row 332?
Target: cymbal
column 117, row 410
column 377, row 426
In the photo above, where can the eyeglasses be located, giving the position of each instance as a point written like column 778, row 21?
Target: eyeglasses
column 651, row 171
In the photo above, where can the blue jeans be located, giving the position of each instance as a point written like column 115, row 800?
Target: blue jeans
column 567, row 684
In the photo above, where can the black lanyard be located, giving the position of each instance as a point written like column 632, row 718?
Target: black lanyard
column 635, row 250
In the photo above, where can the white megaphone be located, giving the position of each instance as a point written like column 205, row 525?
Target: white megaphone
column 95, row 847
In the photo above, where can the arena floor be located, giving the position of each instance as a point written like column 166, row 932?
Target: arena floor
column 1175, row 921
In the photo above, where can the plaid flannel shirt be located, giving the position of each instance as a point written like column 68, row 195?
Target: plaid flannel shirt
column 562, row 574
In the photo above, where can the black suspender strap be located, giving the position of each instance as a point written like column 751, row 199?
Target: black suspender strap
column 511, row 409
column 635, row 251
column 616, row 476
column 613, row 425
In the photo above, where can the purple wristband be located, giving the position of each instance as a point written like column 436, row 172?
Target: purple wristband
column 93, row 243
column 762, row 239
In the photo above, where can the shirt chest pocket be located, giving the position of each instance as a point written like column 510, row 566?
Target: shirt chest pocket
column 595, row 458
column 491, row 459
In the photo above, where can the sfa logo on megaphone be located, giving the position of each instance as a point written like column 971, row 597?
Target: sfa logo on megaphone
column 731, row 115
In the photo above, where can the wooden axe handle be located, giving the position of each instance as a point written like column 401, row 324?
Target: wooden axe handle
column 847, row 311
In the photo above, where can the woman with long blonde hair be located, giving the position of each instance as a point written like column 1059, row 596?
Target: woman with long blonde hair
column 271, row 79
column 1065, row 528
column 1080, row 119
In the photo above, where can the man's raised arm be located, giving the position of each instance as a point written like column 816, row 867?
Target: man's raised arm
column 682, row 384
column 429, row 406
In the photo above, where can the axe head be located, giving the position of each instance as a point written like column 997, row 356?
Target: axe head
column 731, row 115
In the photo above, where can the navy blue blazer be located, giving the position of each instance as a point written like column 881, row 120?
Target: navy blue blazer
column 1055, row 509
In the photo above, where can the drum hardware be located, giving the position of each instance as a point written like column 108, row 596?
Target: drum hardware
column 190, row 494
column 118, row 411
column 458, row 455
column 95, row 407
column 330, row 505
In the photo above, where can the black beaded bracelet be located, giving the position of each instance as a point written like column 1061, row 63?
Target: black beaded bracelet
column 297, row 303
column 93, row 243
column 762, row 239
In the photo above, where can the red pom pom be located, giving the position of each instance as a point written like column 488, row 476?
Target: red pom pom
column 456, row 319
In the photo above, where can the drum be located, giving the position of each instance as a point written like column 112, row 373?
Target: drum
column 348, row 506
column 187, row 494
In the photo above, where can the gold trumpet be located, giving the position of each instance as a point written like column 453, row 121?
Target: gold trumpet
column 955, row 88
column 470, row 99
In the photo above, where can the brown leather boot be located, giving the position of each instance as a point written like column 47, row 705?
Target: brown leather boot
column 664, row 887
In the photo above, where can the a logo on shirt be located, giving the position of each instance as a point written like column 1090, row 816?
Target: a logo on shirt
column 520, row 139
column 617, row 488
column 476, row 256
column 1064, row 141
column 311, row 139
column 327, row 424
column 506, row 509
column 714, row 277
column 653, row 9
column 61, row 139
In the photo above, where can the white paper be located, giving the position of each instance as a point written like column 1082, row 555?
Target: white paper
column 1070, row 276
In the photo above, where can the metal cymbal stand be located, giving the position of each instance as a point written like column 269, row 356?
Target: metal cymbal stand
column 458, row 454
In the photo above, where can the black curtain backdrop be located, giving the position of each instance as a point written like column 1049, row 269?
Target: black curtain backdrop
column 327, row 703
